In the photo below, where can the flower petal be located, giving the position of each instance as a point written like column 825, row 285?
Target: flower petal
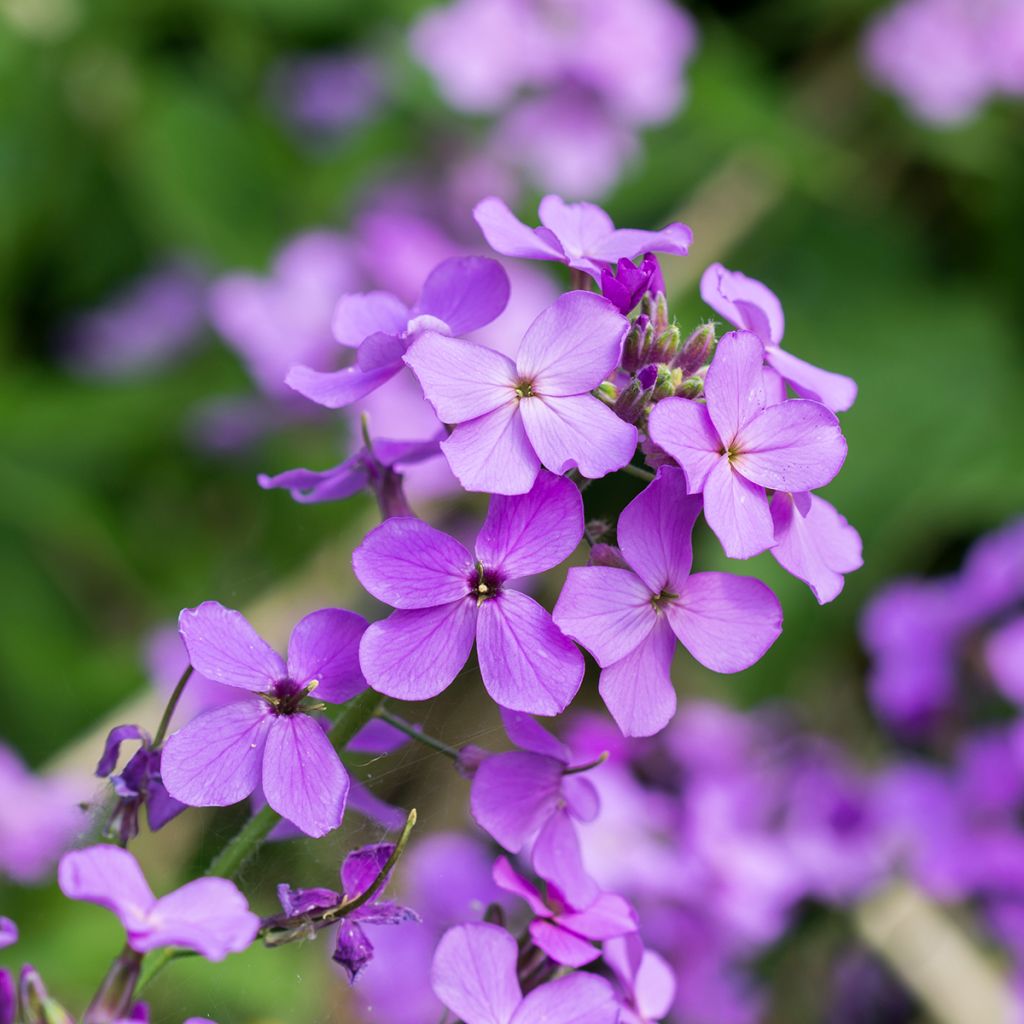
column 607, row 917
column 506, row 877
column 474, row 973
column 655, row 531
column 580, row 998
column 466, row 293
column 324, row 646
column 833, row 390
column 525, row 534
column 675, row 238
column 562, row 946
column 637, row 689
column 578, row 431
column 726, row 622
column 514, row 794
column 461, row 379
column 795, row 446
column 737, row 511
column 527, row 664
column 507, row 234
column 572, row 346
column 308, row 486
column 734, row 386
column 340, row 388
column 223, row 646
column 579, row 227
column 217, row 759
column 110, row 877
column 303, row 777
column 361, row 314
column 607, row 610
column 362, row 867
column 556, row 858
column 413, row 655
column 744, row 302
column 493, row 453
column 408, row 564
column 683, row 428
column 528, row 734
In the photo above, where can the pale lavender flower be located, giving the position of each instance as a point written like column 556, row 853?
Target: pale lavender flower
column 514, row 417
column 267, row 738
column 446, row 597
column 8, row 932
column 645, row 981
column 207, row 915
column 474, row 975
column 629, row 618
column 1004, row 655
column 736, row 445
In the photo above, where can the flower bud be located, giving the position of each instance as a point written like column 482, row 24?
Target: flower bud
column 692, row 387
column 666, row 348
column 608, row 556
column 632, row 400
column 36, row 1006
column 639, row 344
column 607, row 392
column 697, row 350
column 667, row 383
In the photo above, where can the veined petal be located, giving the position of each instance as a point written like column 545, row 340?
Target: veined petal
column 556, row 858
column 407, row 563
column 514, row 794
column 223, row 646
column 655, row 531
column 465, row 292
column 340, row 388
column 578, row 431
column 413, row 655
column 675, row 238
column 637, row 689
column 744, row 302
column 303, row 777
column 474, row 973
column 579, row 227
column 737, row 510
column 525, row 534
column 561, row 945
column 507, row 234
column 324, row 647
column 217, row 759
column 380, row 351
column 795, row 446
column 110, row 877
column 362, row 867
column 493, row 453
column 528, row 734
column 833, row 390
column 573, row 345
column 506, row 877
column 607, row 917
column 579, row 998
column 361, row 314
column 734, row 386
column 726, row 622
column 683, row 428
column 527, row 664
column 607, row 610
column 308, row 486
column 461, row 379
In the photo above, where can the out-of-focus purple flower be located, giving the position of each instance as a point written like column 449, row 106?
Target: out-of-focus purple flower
column 474, row 975
column 581, row 235
column 737, row 445
column 8, row 932
column 459, row 296
column 630, row 619
column 862, row 991
column 514, row 417
column 142, row 328
column 267, row 738
column 327, row 92
column 446, row 598
column 39, row 817
column 207, row 915
column 646, row 983
column 1004, row 655
column 751, row 306
column 627, row 285
column 138, row 784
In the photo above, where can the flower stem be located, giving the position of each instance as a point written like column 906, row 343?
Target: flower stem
column 165, row 720
column 410, row 730
column 640, row 474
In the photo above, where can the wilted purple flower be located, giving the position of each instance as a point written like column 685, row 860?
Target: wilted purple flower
column 459, row 296
column 646, row 983
column 267, row 739
column 138, row 784
column 736, row 445
column 207, row 915
column 474, row 975
column 514, row 417
column 445, row 598
column 751, row 306
column 627, row 285
column 580, row 235
column 630, row 618
column 566, row 933
column 360, row 870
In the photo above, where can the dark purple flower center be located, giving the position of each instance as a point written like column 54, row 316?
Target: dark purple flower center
column 484, row 583
column 286, row 697
column 665, row 597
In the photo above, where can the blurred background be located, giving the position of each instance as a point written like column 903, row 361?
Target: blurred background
column 185, row 189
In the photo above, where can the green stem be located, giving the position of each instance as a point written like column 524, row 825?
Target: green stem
column 640, row 474
column 165, row 720
column 412, row 732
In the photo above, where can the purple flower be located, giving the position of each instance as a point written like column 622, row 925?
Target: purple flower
column 267, row 739
column 445, row 598
column 646, row 983
column 736, row 445
column 1004, row 655
column 459, row 296
column 814, row 542
column 566, row 933
column 474, row 975
column 514, row 417
column 581, row 235
column 626, row 287
column 326, row 93
column 207, row 915
column 138, row 784
column 629, row 618
column 8, row 932
column 360, row 870
column 751, row 306
column 529, row 795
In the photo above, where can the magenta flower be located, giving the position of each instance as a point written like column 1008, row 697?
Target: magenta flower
column 474, row 975
column 207, row 915
column 814, row 542
column 267, row 738
column 446, row 597
column 566, row 933
column 626, row 286
column 629, row 618
column 580, row 235
column 736, row 445
column 514, row 417
column 751, row 306
column 459, row 296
